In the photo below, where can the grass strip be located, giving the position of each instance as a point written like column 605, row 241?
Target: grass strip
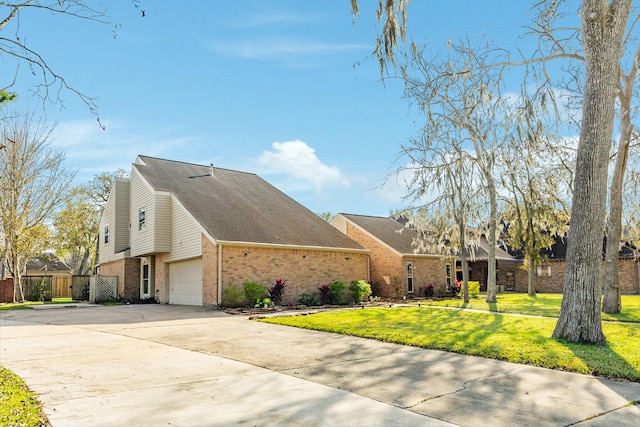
column 18, row 405
column 517, row 339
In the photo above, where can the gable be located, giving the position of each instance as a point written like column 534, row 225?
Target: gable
column 387, row 230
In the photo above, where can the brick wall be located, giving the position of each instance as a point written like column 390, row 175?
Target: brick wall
column 160, row 279
column 550, row 277
column 304, row 270
column 388, row 269
column 6, row 290
column 128, row 272
column 209, row 273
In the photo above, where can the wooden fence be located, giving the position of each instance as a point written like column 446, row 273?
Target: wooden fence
column 45, row 288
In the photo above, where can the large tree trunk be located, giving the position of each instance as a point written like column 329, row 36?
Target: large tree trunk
column 612, row 302
column 491, row 273
column 603, row 26
column 531, row 275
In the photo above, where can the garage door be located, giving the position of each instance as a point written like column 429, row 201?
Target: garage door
column 185, row 282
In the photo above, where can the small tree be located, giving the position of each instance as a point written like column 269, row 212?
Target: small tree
column 34, row 184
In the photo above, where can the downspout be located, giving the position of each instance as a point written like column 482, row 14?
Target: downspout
column 638, row 267
column 219, row 274
column 369, row 269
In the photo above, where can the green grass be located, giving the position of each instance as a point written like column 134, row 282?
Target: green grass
column 18, row 405
column 30, row 304
column 543, row 305
column 517, row 339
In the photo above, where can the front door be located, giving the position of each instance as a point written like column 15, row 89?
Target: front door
column 144, row 280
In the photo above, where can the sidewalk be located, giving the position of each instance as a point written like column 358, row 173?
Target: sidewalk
column 153, row 365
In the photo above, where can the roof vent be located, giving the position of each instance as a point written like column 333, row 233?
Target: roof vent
column 211, row 169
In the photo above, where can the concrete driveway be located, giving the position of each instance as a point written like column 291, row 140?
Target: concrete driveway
column 154, row 365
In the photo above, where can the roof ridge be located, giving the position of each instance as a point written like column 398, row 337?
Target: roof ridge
column 142, row 156
column 367, row 216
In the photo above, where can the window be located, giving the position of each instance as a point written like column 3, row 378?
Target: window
column 542, row 269
column 410, row 277
column 142, row 218
column 448, row 275
column 106, row 234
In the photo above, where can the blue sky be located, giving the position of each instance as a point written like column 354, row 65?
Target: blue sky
column 284, row 89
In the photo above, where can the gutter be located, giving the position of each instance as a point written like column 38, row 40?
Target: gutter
column 298, row 247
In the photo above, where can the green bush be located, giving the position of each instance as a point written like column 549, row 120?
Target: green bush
column 255, row 292
column 338, row 290
column 360, row 290
column 474, row 288
column 233, row 296
column 308, row 300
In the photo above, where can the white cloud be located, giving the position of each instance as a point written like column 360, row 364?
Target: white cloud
column 299, row 162
column 91, row 150
column 274, row 18
column 281, row 49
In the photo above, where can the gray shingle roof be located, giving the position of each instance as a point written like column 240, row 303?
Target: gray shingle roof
column 241, row 207
column 400, row 238
column 388, row 230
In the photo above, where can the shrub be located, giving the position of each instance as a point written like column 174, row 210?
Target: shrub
column 376, row 289
column 428, row 291
column 360, row 290
column 277, row 290
column 474, row 288
column 338, row 290
column 255, row 292
column 325, row 294
column 308, row 299
column 454, row 288
column 233, row 296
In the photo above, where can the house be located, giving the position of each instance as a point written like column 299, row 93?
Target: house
column 509, row 270
column 395, row 268
column 550, row 274
column 47, row 264
column 182, row 233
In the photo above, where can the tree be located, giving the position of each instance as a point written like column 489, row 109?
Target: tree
column 33, row 184
column 327, row 216
column 445, row 187
column 611, row 302
column 534, row 214
column 100, row 186
column 77, row 223
column 77, row 230
column 14, row 45
column 603, row 27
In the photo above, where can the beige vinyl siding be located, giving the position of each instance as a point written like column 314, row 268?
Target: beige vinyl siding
column 119, row 225
column 142, row 197
column 106, row 252
column 185, row 234
column 162, row 222
column 116, row 217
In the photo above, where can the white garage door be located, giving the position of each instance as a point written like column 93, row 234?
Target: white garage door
column 185, row 282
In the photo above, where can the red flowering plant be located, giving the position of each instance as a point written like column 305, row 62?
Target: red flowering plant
column 276, row 291
column 455, row 288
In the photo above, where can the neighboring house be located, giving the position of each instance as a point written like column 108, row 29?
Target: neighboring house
column 183, row 232
column 47, row 265
column 395, row 268
column 550, row 274
column 509, row 270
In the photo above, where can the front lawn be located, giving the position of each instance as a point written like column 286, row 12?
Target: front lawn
column 18, row 405
column 517, row 339
column 543, row 305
